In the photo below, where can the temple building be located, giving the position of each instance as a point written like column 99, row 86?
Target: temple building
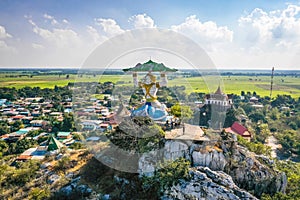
column 152, row 107
column 219, row 99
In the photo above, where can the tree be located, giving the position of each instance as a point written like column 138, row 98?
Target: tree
column 63, row 164
column 68, row 122
column 230, row 118
column 39, row 193
column 257, row 116
column 139, row 134
column 16, row 125
column 182, row 112
column 4, row 129
column 262, row 132
column 23, row 145
column 169, row 174
column 3, row 147
column 274, row 114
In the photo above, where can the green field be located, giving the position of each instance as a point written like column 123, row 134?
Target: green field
column 234, row 84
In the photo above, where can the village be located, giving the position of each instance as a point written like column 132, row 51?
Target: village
column 62, row 133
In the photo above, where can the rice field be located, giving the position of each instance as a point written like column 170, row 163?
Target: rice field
column 233, row 84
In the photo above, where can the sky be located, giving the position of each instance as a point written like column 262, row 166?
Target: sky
column 248, row 34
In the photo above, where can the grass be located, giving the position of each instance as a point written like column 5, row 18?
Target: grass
column 234, row 84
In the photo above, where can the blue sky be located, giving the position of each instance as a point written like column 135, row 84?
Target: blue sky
column 235, row 34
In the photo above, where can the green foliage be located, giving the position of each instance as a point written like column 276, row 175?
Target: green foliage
column 39, row 193
column 19, row 175
column 257, row 148
column 289, row 140
column 140, row 134
column 292, row 170
column 16, row 126
column 257, row 116
column 77, row 145
column 3, row 146
column 230, row 117
column 33, row 133
column 274, row 114
column 167, row 175
column 293, row 125
column 68, row 122
column 77, row 136
column 183, row 112
column 262, row 132
column 63, row 164
column 4, row 129
column 21, row 145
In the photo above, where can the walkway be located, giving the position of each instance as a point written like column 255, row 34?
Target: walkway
column 191, row 132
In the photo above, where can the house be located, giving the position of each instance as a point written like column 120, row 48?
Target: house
column 26, row 155
column 2, row 101
column 64, row 135
column 38, row 123
column 239, row 129
column 258, row 106
column 90, row 125
column 254, row 100
column 36, row 153
column 18, row 117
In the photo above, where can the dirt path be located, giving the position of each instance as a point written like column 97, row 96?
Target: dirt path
column 272, row 142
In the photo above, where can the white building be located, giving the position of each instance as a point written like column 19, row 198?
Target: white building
column 218, row 98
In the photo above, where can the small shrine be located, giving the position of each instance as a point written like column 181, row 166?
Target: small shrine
column 152, row 107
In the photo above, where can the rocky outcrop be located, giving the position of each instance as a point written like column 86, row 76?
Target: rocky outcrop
column 247, row 171
column 215, row 160
column 172, row 150
column 207, row 184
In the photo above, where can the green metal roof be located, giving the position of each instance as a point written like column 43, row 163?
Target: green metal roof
column 22, row 131
column 54, row 144
column 150, row 66
column 63, row 133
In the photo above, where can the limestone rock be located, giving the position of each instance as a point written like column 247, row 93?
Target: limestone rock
column 207, row 185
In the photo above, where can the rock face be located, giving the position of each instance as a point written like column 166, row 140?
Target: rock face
column 241, row 168
column 214, row 160
column 207, row 184
column 171, row 151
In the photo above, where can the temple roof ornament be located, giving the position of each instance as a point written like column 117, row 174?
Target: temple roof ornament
column 150, row 66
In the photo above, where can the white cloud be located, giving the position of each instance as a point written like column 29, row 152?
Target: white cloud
column 65, row 21
column 109, row 26
column 3, row 33
column 37, row 46
column 61, row 37
column 51, row 18
column 274, row 30
column 142, row 21
column 94, row 34
column 3, row 45
column 208, row 34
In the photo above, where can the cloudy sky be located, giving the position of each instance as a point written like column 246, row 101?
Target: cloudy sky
column 249, row 34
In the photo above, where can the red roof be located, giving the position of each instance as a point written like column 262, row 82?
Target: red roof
column 24, row 157
column 18, row 117
column 238, row 128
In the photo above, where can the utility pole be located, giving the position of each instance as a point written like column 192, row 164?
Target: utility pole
column 271, row 89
